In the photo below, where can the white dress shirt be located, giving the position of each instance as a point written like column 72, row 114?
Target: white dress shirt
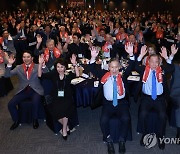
column 108, row 89
column 147, row 87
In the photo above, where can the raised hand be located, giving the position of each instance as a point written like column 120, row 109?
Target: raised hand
column 143, row 50
column 73, row 59
column 174, row 49
column 94, row 52
column 11, row 60
column 41, row 60
column 129, row 48
column 163, row 53
column 59, row 46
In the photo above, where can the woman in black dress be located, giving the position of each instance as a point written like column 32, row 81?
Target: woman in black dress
column 62, row 106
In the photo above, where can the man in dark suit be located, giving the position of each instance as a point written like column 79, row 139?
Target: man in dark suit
column 153, row 87
column 20, row 41
column 77, row 48
column 7, row 43
column 29, row 87
column 114, row 101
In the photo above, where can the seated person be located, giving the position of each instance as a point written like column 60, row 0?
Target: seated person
column 29, row 87
column 51, row 53
column 114, row 101
column 81, row 50
column 62, row 106
column 153, row 85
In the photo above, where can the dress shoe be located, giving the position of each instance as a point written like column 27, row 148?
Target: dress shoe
column 110, row 148
column 122, row 148
column 64, row 137
column 161, row 145
column 35, row 124
column 14, row 125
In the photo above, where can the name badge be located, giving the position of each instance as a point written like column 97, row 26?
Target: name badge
column 80, row 55
column 96, row 84
column 4, row 47
column 61, row 93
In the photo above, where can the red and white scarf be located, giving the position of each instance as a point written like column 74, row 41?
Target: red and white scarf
column 63, row 35
column 158, row 74
column 159, row 35
column 1, row 40
column 119, row 82
column 105, row 47
column 121, row 36
column 56, row 53
column 29, row 71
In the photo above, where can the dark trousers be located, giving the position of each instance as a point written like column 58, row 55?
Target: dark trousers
column 23, row 95
column 121, row 111
column 147, row 105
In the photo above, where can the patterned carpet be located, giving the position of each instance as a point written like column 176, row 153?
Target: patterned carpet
column 87, row 139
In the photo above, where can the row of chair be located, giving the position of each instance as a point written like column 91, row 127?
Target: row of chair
column 25, row 115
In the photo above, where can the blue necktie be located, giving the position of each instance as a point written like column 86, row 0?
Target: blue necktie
column 154, row 91
column 114, row 92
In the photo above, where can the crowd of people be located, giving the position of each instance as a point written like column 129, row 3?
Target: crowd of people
column 39, row 46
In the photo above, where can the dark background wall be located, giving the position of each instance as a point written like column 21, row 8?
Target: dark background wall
column 139, row 5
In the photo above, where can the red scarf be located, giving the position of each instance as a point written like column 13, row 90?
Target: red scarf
column 159, row 35
column 119, row 82
column 56, row 53
column 29, row 70
column 65, row 35
column 99, row 28
column 105, row 47
column 1, row 40
column 147, row 61
column 158, row 74
column 122, row 36
column 1, row 57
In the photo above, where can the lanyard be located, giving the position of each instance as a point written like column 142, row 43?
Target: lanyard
column 58, row 85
